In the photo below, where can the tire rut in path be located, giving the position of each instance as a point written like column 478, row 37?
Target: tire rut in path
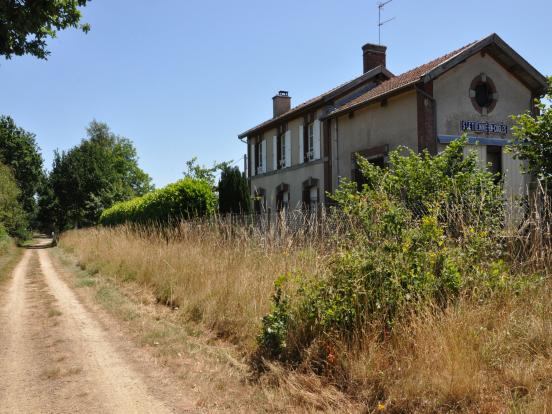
column 57, row 357
column 15, row 358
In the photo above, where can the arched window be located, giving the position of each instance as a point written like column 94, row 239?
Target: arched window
column 311, row 194
column 259, row 200
column 282, row 197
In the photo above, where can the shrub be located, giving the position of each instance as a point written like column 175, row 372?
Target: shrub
column 187, row 198
column 274, row 325
column 423, row 232
column 233, row 191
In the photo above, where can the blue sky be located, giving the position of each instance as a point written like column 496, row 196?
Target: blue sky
column 183, row 78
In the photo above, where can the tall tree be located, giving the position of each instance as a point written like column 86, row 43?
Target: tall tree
column 201, row 172
column 19, row 151
column 12, row 217
column 92, row 176
column 233, row 191
column 49, row 213
column 26, row 25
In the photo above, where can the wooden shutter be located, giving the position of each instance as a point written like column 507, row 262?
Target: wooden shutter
column 288, row 148
column 301, row 144
column 274, row 152
column 316, row 139
column 263, row 155
column 252, row 159
column 278, row 151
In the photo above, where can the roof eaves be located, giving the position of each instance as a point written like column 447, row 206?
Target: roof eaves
column 539, row 77
column 386, row 94
column 323, row 98
column 266, row 124
column 458, row 58
column 477, row 47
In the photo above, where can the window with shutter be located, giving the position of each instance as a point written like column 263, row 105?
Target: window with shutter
column 252, row 164
column 313, row 198
column 316, row 139
column 288, row 149
column 301, row 145
column 263, row 156
column 282, row 197
column 310, row 142
column 282, row 151
column 274, row 153
column 311, row 194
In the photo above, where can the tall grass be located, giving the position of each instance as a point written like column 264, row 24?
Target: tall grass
column 217, row 271
column 486, row 356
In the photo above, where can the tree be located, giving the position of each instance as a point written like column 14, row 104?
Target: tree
column 92, row 176
column 26, row 25
column 534, row 135
column 19, row 151
column 12, row 217
column 200, row 172
column 233, row 191
column 49, row 214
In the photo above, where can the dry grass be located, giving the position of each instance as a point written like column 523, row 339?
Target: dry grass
column 223, row 281
column 486, row 357
column 9, row 257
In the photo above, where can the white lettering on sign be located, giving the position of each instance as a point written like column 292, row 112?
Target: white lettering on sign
column 484, row 127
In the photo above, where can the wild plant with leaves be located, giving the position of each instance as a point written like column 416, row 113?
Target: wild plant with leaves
column 423, row 231
column 534, row 133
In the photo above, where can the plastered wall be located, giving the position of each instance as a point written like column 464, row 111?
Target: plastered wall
column 394, row 124
column 451, row 91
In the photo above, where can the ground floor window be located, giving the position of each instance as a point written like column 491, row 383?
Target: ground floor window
column 357, row 175
column 282, row 197
column 375, row 155
column 259, row 201
column 313, row 198
column 311, row 194
column 494, row 161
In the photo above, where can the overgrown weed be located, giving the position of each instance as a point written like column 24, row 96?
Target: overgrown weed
column 413, row 298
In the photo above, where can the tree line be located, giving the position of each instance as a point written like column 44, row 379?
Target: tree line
column 99, row 172
column 102, row 170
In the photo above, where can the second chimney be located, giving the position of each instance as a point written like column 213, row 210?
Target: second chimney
column 373, row 56
column 281, row 103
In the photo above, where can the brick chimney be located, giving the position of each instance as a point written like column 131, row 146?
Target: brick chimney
column 281, row 103
column 373, row 56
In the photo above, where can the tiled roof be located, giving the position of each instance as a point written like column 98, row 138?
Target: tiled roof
column 402, row 80
column 503, row 53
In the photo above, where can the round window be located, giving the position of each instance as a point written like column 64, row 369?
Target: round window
column 483, row 94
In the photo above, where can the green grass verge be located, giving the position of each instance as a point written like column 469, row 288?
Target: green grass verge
column 10, row 255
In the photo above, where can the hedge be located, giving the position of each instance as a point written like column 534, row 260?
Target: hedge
column 185, row 199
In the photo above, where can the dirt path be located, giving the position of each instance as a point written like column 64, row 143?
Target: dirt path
column 54, row 355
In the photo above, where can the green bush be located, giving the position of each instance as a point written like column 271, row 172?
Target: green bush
column 274, row 325
column 422, row 232
column 185, row 199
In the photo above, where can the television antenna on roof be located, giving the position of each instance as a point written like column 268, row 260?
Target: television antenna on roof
column 381, row 5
